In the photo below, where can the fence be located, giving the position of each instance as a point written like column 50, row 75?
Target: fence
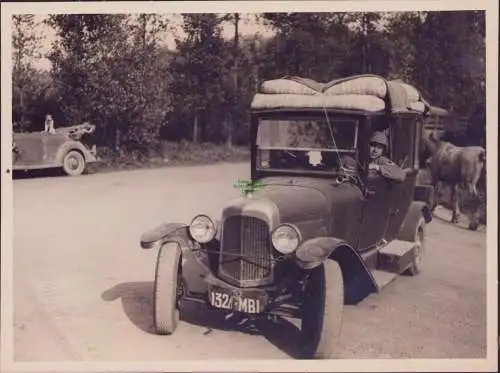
column 441, row 124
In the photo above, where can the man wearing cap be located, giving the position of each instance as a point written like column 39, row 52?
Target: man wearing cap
column 381, row 164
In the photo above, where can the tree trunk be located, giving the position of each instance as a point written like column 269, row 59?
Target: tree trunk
column 232, row 121
column 21, row 104
column 195, row 128
column 229, row 125
column 117, row 138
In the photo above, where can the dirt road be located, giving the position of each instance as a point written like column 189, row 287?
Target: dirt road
column 83, row 286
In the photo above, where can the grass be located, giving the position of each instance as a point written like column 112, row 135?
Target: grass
column 170, row 154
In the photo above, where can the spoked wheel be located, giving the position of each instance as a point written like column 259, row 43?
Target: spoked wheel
column 322, row 310
column 166, row 289
column 419, row 249
column 74, row 163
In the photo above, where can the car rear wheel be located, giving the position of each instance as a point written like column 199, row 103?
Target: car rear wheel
column 74, row 163
column 166, row 289
column 419, row 249
column 322, row 310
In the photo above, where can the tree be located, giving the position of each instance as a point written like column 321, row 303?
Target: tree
column 26, row 84
column 86, row 44
column 294, row 50
column 111, row 71
column 449, row 62
column 402, row 28
column 200, row 87
column 370, row 50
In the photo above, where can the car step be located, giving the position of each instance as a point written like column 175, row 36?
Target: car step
column 383, row 278
column 395, row 257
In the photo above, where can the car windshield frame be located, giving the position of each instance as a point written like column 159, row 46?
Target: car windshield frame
column 318, row 120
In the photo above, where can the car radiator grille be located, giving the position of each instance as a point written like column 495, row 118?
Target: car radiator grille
column 245, row 254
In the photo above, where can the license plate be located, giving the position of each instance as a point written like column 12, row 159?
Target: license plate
column 225, row 299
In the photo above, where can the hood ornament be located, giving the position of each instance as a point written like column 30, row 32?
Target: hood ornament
column 247, row 187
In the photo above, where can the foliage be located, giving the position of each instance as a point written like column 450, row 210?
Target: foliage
column 291, row 51
column 111, row 79
column 201, row 91
column 170, row 154
column 115, row 71
column 28, row 84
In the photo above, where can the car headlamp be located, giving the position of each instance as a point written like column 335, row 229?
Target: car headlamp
column 286, row 239
column 202, row 229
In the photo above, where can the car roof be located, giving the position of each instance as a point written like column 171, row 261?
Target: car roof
column 365, row 94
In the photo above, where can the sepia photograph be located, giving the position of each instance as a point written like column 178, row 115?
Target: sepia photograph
column 201, row 186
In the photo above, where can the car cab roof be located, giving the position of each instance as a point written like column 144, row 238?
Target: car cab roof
column 360, row 94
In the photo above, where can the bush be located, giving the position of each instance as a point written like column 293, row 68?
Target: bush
column 169, row 154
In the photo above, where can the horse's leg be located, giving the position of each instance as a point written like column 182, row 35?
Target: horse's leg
column 470, row 186
column 455, row 204
column 434, row 182
column 435, row 201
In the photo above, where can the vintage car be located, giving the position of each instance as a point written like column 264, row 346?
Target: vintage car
column 311, row 232
column 66, row 148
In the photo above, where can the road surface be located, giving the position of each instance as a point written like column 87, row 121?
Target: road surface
column 83, row 287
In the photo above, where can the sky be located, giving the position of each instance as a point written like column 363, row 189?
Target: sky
column 247, row 26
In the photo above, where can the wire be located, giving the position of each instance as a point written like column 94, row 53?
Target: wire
column 341, row 165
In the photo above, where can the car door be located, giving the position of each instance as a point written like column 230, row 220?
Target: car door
column 375, row 211
column 53, row 143
column 405, row 155
column 29, row 149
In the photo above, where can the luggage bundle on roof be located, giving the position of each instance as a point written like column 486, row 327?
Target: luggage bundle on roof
column 370, row 93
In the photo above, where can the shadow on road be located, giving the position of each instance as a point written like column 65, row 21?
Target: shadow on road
column 137, row 303
column 36, row 174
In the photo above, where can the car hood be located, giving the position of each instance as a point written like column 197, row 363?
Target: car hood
column 287, row 201
column 316, row 207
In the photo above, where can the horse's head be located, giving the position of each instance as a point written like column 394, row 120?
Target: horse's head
column 428, row 148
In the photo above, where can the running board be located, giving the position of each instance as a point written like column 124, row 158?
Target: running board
column 395, row 257
column 383, row 278
column 392, row 260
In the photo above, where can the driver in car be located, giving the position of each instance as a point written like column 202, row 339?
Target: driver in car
column 381, row 164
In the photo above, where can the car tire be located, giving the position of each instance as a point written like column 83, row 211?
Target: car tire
column 418, row 253
column 165, row 301
column 74, row 163
column 322, row 310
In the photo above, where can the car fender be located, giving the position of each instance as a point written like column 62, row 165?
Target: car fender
column 358, row 280
column 157, row 236
column 193, row 269
column 416, row 210
column 73, row 145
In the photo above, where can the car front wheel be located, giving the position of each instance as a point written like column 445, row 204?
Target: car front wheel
column 322, row 310
column 166, row 289
column 74, row 163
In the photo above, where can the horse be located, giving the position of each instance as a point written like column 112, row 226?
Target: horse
column 458, row 167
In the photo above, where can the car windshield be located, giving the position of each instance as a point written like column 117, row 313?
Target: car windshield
column 307, row 144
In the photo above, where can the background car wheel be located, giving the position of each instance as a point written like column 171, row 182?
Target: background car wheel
column 322, row 310
column 419, row 251
column 166, row 310
column 74, row 163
